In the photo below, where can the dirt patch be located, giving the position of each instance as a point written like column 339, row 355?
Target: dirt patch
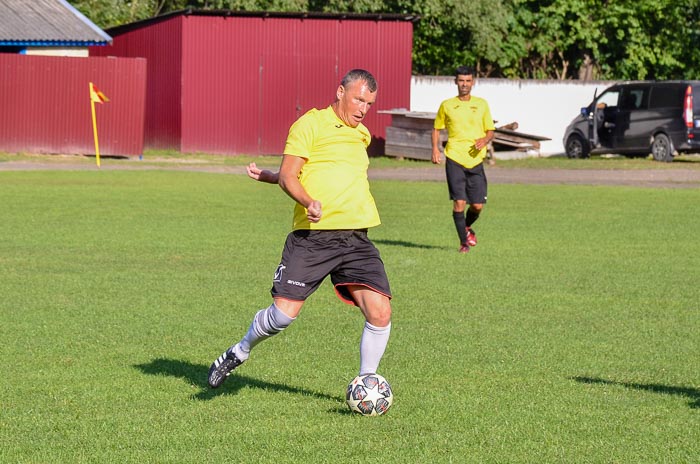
column 656, row 178
column 659, row 178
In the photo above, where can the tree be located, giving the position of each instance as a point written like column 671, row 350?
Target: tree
column 109, row 13
column 544, row 39
column 621, row 39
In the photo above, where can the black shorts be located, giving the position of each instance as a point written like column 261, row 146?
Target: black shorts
column 466, row 184
column 348, row 256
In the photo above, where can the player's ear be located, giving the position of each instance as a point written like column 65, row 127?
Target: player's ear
column 340, row 92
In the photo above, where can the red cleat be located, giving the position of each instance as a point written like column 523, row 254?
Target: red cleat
column 471, row 237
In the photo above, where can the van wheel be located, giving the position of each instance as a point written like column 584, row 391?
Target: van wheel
column 576, row 147
column 662, row 148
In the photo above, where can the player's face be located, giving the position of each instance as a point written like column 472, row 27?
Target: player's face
column 354, row 101
column 464, row 84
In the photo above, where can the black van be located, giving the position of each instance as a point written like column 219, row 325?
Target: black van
column 638, row 118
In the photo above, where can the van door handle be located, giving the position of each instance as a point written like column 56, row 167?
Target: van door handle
column 609, row 125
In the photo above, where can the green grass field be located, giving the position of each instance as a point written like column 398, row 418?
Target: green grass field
column 568, row 335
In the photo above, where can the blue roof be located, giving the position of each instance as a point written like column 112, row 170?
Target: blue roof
column 47, row 23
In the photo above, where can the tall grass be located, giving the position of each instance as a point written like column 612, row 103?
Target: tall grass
column 569, row 334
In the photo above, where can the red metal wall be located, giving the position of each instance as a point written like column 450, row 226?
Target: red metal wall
column 234, row 84
column 45, row 104
column 160, row 44
column 221, row 85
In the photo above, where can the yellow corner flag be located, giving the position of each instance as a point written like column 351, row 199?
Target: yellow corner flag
column 96, row 97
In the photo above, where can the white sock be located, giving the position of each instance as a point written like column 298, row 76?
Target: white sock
column 266, row 323
column 372, row 346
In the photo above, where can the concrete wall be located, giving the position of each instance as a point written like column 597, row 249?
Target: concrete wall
column 540, row 107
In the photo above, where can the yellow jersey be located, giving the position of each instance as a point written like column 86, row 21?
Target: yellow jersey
column 335, row 172
column 465, row 122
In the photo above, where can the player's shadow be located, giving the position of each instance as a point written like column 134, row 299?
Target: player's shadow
column 693, row 394
column 403, row 243
column 196, row 374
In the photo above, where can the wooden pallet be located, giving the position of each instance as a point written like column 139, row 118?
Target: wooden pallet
column 410, row 136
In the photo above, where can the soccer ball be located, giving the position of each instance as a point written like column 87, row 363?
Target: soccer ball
column 369, row 395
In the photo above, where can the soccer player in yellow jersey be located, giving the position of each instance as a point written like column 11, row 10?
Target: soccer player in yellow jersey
column 324, row 170
column 469, row 130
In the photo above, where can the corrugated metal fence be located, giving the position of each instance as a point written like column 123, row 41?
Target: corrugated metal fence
column 45, row 104
column 234, row 84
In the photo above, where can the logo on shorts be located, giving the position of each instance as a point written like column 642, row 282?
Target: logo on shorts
column 297, row 283
column 278, row 273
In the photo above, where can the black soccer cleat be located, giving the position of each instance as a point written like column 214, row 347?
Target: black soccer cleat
column 222, row 368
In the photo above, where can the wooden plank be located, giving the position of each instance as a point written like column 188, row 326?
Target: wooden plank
column 506, row 132
column 519, row 145
column 513, row 140
column 410, row 135
column 411, row 123
column 410, row 143
column 403, row 151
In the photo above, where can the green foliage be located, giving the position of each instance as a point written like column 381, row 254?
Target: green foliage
column 569, row 334
column 622, row 39
column 109, row 13
column 544, row 39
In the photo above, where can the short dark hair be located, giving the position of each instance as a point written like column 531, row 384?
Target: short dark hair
column 359, row 75
column 465, row 71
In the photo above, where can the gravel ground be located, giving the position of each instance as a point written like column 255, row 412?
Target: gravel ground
column 655, row 178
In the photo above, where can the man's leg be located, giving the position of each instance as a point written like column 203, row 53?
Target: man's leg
column 375, row 335
column 472, row 215
column 457, row 187
column 477, row 187
column 458, row 207
column 266, row 323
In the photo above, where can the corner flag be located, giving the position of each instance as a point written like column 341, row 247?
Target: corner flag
column 96, row 97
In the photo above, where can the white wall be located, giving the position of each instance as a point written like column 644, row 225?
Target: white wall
column 540, row 107
column 57, row 51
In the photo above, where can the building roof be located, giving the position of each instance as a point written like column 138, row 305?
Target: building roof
column 47, row 23
column 264, row 14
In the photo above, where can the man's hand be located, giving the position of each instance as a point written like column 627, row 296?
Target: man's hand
column 481, row 143
column 253, row 171
column 435, row 141
column 313, row 211
column 261, row 175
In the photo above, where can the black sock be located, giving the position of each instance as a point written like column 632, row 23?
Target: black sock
column 461, row 226
column 471, row 218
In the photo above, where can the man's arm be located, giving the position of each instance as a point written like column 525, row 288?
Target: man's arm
column 289, row 182
column 435, row 138
column 262, row 175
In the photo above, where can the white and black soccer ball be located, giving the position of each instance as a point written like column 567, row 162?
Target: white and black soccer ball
column 369, row 395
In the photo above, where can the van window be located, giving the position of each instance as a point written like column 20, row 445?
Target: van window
column 609, row 98
column 634, row 98
column 666, row 96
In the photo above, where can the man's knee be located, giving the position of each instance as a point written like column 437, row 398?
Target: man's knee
column 376, row 307
column 379, row 313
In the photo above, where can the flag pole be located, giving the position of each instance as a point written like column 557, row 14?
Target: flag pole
column 94, row 127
